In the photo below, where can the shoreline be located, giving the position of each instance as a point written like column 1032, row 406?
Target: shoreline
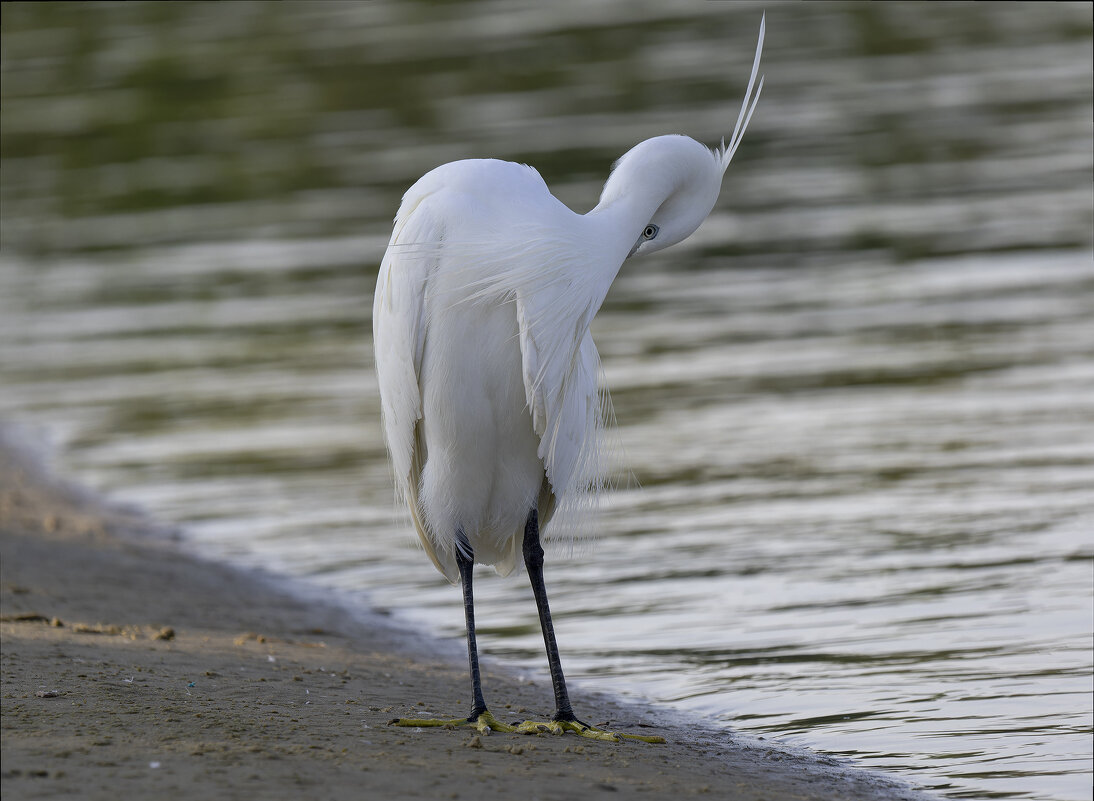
column 131, row 668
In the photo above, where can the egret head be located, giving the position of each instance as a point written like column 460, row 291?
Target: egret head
column 673, row 181
column 675, row 175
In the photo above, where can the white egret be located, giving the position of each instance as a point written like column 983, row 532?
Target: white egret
column 487, row 370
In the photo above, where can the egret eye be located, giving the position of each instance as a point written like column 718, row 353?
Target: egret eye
column 650, row 232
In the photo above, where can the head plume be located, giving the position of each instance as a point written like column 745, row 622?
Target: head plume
column 678, row 178
column 724, row 153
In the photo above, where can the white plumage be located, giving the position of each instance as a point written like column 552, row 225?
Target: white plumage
column 487, row 370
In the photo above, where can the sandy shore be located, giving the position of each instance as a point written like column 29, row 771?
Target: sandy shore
column 132, row 670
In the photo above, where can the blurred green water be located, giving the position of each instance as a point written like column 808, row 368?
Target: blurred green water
column 858, row 400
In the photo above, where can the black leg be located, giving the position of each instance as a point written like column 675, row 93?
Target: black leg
column 480, row 717
column 465, row 560
column 533, row 560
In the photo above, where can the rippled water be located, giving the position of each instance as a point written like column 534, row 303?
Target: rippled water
column 856, row 410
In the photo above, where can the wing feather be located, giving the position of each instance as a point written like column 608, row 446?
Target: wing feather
column 399, row 331
column 555, row 303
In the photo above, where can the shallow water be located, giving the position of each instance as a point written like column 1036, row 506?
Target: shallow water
column 856, row 410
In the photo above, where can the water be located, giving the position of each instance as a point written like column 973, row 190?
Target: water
column 856, row 442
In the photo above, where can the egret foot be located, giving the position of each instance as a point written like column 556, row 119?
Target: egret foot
column 486, row 723
column 560, row 727
column 582, row 730
column 483, row 724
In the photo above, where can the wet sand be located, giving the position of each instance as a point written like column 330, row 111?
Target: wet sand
column 134, row 670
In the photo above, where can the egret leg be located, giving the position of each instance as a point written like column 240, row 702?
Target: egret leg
column 480, row 718
column 465, row 561
column 564, row 719
column 533, row 560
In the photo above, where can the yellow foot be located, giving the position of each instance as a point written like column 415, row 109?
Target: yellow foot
column 560, row 727
column 486, row 723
